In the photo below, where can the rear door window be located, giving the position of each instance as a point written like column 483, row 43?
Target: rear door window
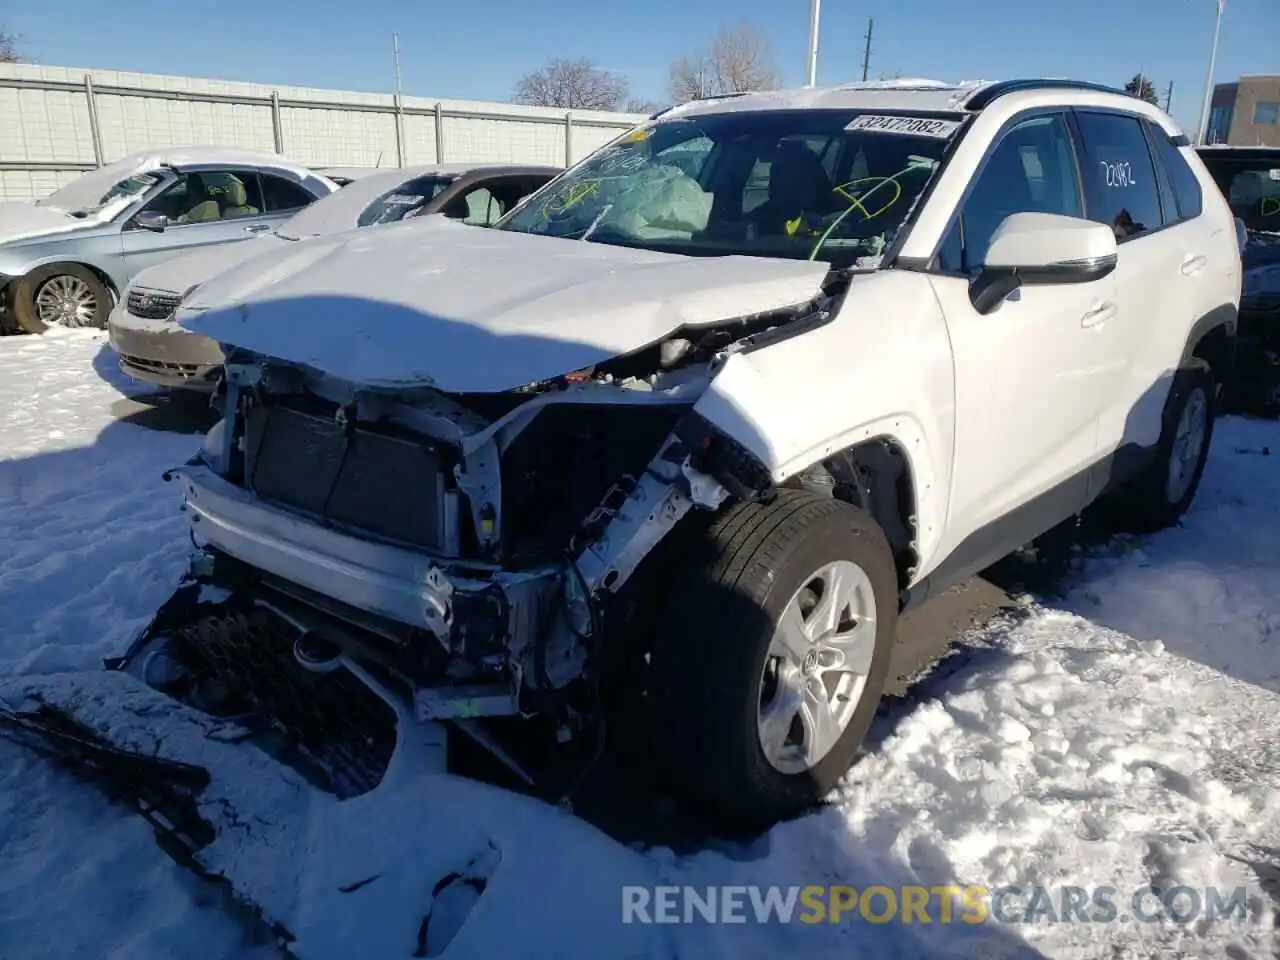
column 1120, row 186
column 283, row 196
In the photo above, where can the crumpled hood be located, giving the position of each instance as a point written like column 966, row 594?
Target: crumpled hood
column 469, row 309
column 20, row 220
column 181, row 273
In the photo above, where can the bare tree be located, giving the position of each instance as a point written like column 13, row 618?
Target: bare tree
column 739, row 60
column 8, row 46
column 636, row 105
column 572, row 84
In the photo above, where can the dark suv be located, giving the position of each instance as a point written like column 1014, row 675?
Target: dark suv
column 1249, row 178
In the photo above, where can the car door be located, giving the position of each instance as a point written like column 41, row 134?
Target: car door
column 199, row 209
column 1027, row 373
column 1156, row 276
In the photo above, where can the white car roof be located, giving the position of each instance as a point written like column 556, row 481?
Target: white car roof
column 444, row 169
column 197, row 156
column 923, row 95
column 349, row 173
column 900, row 94
column 86, row 189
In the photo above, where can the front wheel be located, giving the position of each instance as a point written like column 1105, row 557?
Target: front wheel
column 772, row 655
column 64, row 294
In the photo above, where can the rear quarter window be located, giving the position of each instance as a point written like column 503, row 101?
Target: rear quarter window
column 1186, row 185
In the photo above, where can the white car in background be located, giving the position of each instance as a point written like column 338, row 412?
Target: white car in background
column 155, row 350
column 343, row 176
column 65, row 258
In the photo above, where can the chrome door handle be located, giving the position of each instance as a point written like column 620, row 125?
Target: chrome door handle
column 257, row 227
column 1099, row 314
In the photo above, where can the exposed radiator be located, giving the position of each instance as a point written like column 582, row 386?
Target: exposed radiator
column 348, row 477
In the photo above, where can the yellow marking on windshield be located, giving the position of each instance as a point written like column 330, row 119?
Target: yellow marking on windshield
column 576, row 193
column 855, row 200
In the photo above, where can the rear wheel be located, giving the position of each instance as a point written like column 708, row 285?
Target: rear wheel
column 1159, row 496
column 63, row 294
column 772, row 655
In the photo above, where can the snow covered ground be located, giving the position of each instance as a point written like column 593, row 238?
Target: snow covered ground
column 1125, row 735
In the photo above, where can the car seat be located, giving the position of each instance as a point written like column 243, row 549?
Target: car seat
column 236, row 199
column 202, row 207
column 798, row 184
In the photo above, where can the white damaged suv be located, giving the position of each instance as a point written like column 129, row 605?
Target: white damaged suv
column 708, row 411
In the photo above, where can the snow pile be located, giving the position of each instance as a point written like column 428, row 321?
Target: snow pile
column 1128, row 736
column 93, row 540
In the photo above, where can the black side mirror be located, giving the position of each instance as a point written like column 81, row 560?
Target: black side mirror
column 990, row 287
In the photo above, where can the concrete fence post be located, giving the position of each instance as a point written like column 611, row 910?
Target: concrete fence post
column 399, row 118
column 439, row 132
column 568, row 138
column 95, row 128
column 277, row 126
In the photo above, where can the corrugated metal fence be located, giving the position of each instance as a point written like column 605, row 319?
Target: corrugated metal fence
column 56, row 122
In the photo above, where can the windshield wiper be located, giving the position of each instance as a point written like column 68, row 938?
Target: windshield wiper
column 586, row 234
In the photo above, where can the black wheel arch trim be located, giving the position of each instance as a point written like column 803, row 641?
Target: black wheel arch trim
column 1213, row 338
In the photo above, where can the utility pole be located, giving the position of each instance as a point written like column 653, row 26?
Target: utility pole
column 395, row 55
column 1168, row 98
column 1202, row 133
column 866, row 54
column 815, row 10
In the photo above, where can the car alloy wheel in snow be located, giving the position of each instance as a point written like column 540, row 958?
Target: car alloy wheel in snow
column 817, row 666
column 1188, row 444
column 67, row 301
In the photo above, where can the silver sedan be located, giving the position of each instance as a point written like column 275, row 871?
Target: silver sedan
column 65, row 258
column 155, row 350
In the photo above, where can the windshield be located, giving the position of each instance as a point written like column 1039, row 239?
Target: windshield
column 110, row 186
column 1251, row 184
column 404, row 200
column 833, row 185
column 1250, row 180
column 382, row 197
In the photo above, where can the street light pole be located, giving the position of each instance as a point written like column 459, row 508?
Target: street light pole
column 1202, row 133
column 814, row 10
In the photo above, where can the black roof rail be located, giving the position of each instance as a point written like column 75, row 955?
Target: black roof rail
column 984, row 96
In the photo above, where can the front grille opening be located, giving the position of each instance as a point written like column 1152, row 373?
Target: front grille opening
column 388, row 484
column 152, row 304
column 185, row 370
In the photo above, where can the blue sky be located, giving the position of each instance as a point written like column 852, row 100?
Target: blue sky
column 479, row 48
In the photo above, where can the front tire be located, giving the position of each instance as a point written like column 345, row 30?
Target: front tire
column 1159, row 496
column 61, row 294
column 772, row 655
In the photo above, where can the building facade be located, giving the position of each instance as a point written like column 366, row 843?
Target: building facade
column 1246, row 113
